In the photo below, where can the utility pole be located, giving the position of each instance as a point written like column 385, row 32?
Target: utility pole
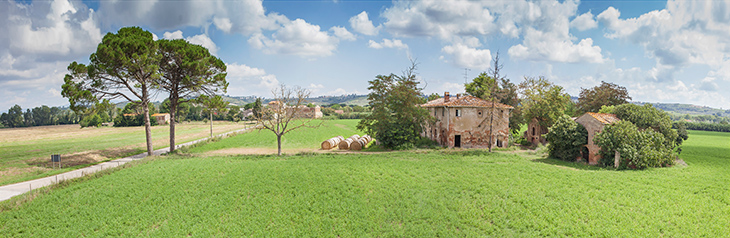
column 466, row 70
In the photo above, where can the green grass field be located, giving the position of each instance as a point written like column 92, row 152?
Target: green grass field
column 25, row 152
column 303, row 138
column 417, row 194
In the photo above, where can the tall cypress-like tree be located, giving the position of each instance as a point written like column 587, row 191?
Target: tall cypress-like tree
column 188, row 70
column 125, row 66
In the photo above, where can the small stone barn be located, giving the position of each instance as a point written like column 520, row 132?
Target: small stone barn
column 535, row 132
column 463, row 121
column 594, row 123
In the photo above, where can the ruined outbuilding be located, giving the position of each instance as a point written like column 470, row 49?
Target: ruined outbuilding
column 464, row 121
column 535, row 132
column 594, row 123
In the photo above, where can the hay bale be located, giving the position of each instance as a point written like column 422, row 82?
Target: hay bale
column 345, row 144
column 331, row 143
column 361, row 143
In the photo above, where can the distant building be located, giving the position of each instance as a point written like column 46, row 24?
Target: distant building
column 594, row 123
column 535, row 132
column 162, row 118
column 303, row 111
column 464, row 121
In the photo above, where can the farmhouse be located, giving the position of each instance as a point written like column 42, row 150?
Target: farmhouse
column 594, row 123
column 301, row 111
column 162, row 118
column 464, row 121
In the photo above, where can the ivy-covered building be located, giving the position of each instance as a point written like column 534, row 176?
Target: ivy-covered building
column 594, row 123
column 464, row 121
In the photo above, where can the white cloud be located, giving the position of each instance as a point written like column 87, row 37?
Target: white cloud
column 584, row 22
column 316, row 86
column 387, row 43
column 246, row 17
column 173, row 35
column 342, row 33
column 296, row 38
column 246, row 80
column 540, row 46
column 685, row 33
column 543, row 26
column 362, row 24
column 467, row 57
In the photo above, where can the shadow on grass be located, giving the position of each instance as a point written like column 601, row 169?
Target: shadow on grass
column 568, row 165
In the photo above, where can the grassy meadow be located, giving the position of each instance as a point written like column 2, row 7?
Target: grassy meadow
column 422, row 193
column 25, row 152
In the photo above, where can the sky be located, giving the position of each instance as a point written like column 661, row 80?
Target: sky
column 661, row 51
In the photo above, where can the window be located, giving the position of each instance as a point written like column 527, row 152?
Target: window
column 479, row 113
column 458, row 112
column 434, row 112
column 442, row 111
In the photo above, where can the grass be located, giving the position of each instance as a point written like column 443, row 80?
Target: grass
column 415, row 193
column 25, row 152
column 302, row 138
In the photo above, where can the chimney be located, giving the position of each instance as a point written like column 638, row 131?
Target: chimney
column 458, row 95
column 446, row 96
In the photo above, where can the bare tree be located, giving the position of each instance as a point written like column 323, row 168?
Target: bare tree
column 494, row 71
column 286, row 113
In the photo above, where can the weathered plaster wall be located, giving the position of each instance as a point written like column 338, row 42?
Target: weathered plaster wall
column 472, row 125
column 593, row 126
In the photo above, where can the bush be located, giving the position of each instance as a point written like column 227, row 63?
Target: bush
column 639, row 149
column 565, row 139
column 91, row 120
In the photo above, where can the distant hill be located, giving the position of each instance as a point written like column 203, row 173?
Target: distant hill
column 678, row 108
column 352, row 99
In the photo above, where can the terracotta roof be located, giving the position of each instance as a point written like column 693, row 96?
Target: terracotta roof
column 464, row 101
column 160, row 114
column 604, row 118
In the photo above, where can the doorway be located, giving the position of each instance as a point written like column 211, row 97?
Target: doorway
column 457, row 141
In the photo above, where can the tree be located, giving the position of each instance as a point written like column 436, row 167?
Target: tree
column 188, row 70
column 124, row 66
column 542, row 100
column 607, row 94
column 638, row 148
column 256, row 108
column 648, row 117
column 214, row 104
column 397, row 119
column 286, row 114
column 14, row 117
column 433, row 96
column 566, row 138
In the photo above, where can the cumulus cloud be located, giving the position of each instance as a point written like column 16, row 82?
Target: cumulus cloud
column 296, row 38
column 362, row 24
column 387, row 43
column 685, row 33
column 544, row 26
column 39, row 41
column 245, row 17
column 584, row 22
column 342, row 33
column 246, row 80
column 466, row 57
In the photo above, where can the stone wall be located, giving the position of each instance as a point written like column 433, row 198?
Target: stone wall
column 593, row 126
column 472, row 125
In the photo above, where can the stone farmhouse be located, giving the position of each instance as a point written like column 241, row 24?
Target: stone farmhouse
column 464, row 121
column 594, row 123
column 301, row 112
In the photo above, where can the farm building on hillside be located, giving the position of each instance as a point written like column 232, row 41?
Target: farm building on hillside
column 464, row 121
column 594, row 123
column 302, row 111
column 535, row 132
column 162, row 118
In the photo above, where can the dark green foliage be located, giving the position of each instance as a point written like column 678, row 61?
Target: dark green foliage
column 543, row 100
column 706, row 126
column 607, row 94
column 566, row 138
column 133, row 120
column 91, row 120
column 14, row 117
column 682, row 134
column 397, row 119
column 639, row 149
column 645, row 117
column 257, row 105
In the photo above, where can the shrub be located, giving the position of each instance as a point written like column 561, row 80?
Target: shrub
column 565, row 139
column 639, row 149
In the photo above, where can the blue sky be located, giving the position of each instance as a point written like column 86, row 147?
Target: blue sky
column 675, row 51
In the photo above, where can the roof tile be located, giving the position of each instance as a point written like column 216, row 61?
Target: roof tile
column 464, row 101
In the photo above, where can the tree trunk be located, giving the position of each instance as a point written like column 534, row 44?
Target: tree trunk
column 278, row 142
column 147, row 127
column 173, row 108
column 211, row 124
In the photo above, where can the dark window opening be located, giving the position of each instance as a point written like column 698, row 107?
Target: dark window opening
column 458, row 112
column 457, row 141
column 479, row 113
